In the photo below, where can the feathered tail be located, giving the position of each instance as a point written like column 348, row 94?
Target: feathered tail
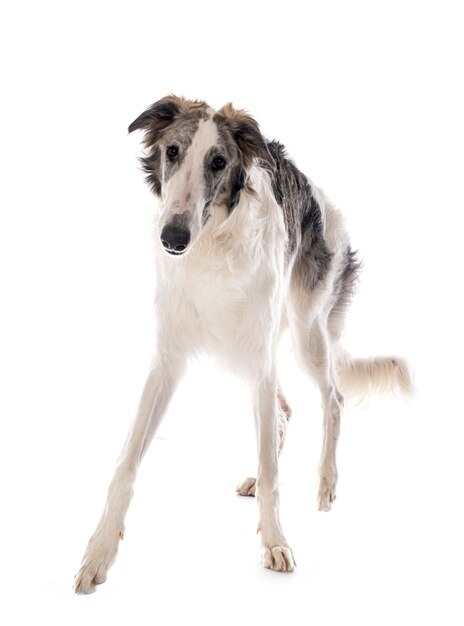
column 360, row 378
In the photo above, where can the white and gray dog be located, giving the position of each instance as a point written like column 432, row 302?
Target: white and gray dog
column 247, row 247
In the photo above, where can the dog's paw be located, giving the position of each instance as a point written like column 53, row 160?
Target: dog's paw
column 91, row 574
column 326, row 493
column 278, row 558
column 97, row 560
column 247, row 487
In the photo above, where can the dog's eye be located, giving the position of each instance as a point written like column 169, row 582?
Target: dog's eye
column 218, row 164
column 172, row 152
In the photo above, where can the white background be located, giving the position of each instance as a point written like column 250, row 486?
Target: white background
column 368, row 98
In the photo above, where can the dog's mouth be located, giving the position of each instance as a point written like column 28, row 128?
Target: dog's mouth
column 175, row 252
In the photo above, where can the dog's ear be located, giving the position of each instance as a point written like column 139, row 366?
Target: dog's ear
column 246, row 132
column 157, row 118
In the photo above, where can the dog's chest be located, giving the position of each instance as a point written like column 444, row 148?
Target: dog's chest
column 215, row 299
column 226, row 295
column 218, row 306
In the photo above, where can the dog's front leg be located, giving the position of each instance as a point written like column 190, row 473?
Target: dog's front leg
column 103, row 545
column 276, row 553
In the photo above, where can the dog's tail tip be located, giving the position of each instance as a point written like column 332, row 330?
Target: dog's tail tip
column 361, row 378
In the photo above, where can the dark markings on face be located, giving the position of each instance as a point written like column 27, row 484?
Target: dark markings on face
column 216, row 169
column 169, row 123
column 169, row 153
column 303, row 219
column 172, row 122
column 235, row 181
column 240, row 136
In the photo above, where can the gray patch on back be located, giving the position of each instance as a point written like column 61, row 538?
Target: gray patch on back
column 343, row 290
column 303, row 220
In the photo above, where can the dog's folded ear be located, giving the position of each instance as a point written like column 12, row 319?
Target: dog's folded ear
column 245, row 130
column 165, row 112
column 158, row 117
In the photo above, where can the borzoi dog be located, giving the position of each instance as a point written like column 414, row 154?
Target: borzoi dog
column 246, row 247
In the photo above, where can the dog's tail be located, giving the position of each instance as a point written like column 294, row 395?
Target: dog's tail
column 360, row 378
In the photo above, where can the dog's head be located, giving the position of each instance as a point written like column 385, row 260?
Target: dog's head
column 197, row 162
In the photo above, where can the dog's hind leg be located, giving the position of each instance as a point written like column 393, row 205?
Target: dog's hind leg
column 314, row 351
column 103, row 545
column 248, row 486
column 322, row 368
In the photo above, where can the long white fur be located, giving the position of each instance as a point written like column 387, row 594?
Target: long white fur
column 361, row 378
column 231, row 295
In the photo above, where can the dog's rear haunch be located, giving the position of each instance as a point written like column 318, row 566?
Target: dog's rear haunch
column 246, row 247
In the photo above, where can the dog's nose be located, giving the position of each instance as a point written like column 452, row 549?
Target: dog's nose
column 175, row 239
